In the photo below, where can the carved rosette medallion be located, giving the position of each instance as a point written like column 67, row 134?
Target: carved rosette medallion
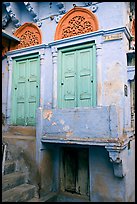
column 76, row 22
column 29, row 35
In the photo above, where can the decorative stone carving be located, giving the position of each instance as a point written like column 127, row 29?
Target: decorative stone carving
column 54, row 55
column 12, row 14
column 29, row 35
column 57, row 18
column 75, row 22
column 61, row 7
column 33, row 14
column 77, row 25
column 5, row 20
column 88, row 3
column 116, row 154
column 94, row 8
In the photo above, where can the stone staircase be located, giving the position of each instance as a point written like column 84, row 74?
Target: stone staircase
column 15, row 185
column 20, row 179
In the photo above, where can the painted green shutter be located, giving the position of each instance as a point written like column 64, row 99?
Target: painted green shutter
column 77, row 77
column 85, row 77
column 68, row 82
column 20, row 92
column 33, row 87
column 25, row 90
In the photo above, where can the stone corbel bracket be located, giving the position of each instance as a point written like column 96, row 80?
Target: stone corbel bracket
column 5, row 20
column 117, row 157
column 12, row 14
column 61, row 7
column 93, row 6
column 88, row 3
column 33, row 13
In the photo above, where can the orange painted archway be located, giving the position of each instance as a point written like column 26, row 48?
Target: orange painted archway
column 75, row 22
column 29, row 35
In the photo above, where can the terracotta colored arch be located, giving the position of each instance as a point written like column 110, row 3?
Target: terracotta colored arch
column 75, row 22
column 133, row 28
column 29, row 35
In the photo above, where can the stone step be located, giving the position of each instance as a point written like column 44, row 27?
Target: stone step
column 12, row 180
column 22, row 130
column 44, row 198
column 21, row 193
column 34, row 200
column 9, row 167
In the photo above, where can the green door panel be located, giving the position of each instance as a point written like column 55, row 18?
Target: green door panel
column 84, row 71
column 20, row 87
column 25, row 90
column 77, row 77
column 68, row 82
column 33, row 90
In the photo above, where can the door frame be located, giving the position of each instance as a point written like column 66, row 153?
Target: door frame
column 72, row 48
column 15, row 60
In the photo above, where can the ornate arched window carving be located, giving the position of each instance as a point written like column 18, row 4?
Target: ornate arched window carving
column 75, row 22
column 29, row 35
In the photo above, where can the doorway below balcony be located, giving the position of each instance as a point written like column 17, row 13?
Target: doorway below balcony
column 74, row 172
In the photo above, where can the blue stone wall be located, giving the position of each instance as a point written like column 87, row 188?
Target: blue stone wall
column 111, row 78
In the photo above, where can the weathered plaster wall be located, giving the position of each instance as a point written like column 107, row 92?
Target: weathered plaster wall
column 49, row 169
column 110, row 14
column 22, row 149
column 48, row 82
column 130, row 177
column 71, row 125
column 105, row 187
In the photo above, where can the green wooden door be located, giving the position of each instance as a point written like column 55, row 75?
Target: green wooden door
column 77, row 77
column 25, row 90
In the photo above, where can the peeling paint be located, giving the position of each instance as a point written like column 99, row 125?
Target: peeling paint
column 47, row 114
column 66, row 128
column 41, row 100
column 62, row 122
column 54, row 123
column 69, row 133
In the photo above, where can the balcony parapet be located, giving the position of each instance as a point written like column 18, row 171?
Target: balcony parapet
column 85, row 126
column 79, row 124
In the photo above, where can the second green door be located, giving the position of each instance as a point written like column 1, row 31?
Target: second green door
column 25, row 90
column 77, row 77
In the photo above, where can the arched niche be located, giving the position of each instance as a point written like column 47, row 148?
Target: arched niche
column 77, row 21
column 29, row 35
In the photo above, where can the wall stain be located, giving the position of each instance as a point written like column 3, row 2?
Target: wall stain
column 47, row 114
column 54, row 123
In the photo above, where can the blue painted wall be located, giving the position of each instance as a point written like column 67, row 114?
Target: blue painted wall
column 111, row 78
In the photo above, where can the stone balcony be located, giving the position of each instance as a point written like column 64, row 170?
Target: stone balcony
column 84, row 126
column 79, row 125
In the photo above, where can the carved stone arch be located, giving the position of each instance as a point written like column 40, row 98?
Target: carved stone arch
column 75, row 22
column 29, row 35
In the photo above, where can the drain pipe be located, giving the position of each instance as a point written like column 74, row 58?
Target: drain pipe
column 3, row 159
